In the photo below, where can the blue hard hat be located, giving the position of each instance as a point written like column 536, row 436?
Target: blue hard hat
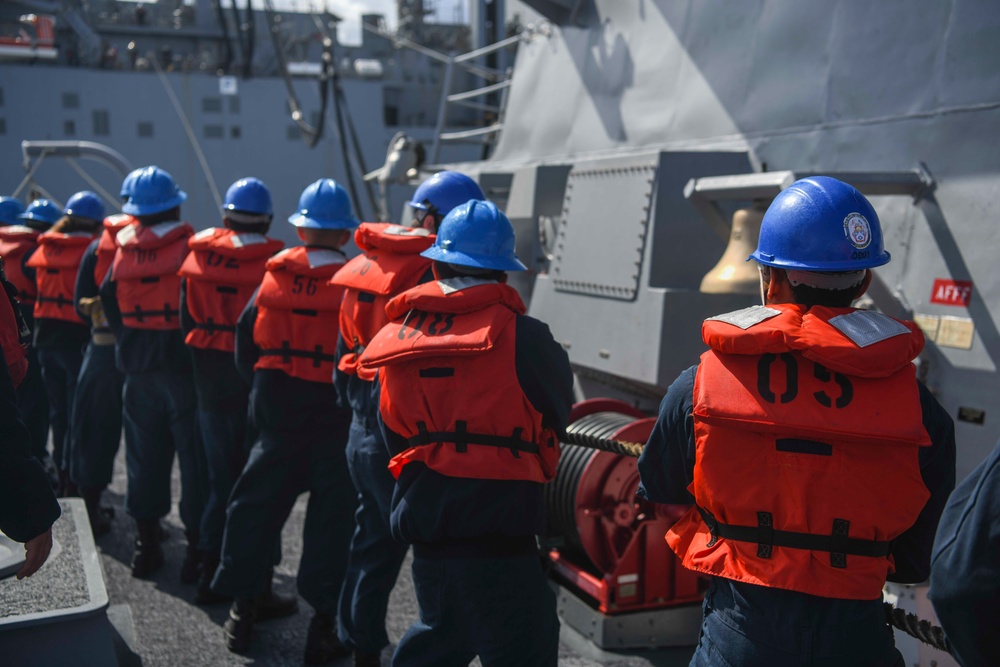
column 248, row 195
column 476, row 234
column 821, row 224
column 10, row 209
column 128, row 185
column 324, row 205
column 444, row 191
column 42, row 210
column 153, row 191
column 85, row 204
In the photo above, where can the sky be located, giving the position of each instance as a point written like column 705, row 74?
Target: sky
column 446, row 11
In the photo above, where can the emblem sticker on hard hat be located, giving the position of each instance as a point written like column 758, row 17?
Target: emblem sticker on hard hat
column 858, row 231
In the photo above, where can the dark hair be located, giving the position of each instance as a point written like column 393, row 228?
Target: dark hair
column 444, row 271
column 247, row 227
column 815, row 296
column 170, row 215
column 326, row 238
column 37, row 225
column 71, row 223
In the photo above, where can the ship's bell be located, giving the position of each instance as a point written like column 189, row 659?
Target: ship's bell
column 733, row 274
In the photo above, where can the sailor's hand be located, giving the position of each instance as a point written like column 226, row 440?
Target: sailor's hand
column 92, row 306
column 36, row 551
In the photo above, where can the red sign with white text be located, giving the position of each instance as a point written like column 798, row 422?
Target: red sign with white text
column 951, row 292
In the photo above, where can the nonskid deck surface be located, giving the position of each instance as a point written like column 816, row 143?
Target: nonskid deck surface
column 168, row 629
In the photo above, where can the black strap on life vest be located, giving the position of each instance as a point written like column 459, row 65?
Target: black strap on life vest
column 60, row 301
column 463, row 438
column 212, row 327
column 837, row 543
column 287, row 352
column 139, row 314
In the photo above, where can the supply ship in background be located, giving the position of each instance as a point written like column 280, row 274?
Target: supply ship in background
column 213, row 93
column 635, row 146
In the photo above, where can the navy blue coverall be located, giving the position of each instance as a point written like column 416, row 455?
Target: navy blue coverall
column 27, row 505
column 752, row 625
column 965, row 567
column 96, row 428
column 223, row 396
column 59, row 345
column 476, row 569
column 32, row 398
column 158, row 414
column 299, row 447
column 375, row 557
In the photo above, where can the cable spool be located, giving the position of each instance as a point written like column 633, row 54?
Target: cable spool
column 612, row 549
column 562, row 494
column 591, row 502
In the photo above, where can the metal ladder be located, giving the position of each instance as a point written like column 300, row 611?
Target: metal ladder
column 497, row 81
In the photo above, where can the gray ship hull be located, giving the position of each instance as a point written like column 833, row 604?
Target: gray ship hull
column 248, row 133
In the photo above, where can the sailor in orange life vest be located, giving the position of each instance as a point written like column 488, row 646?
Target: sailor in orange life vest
column 60, row 333
column 817, row 464
column 965, row 567
column 220, row 275
column 18, row 240
column 28, row 507
column 391, row 263
column 140, row 297
column 285, row 343
column 471, row 457
column 96, row 427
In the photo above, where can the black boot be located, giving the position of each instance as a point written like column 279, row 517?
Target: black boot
column 100, row 517
column 273, row 605
column 322, row 644
column 67, row 489
column 191, row 567
column 205, row 595
column 148, row 556
column 239, row 626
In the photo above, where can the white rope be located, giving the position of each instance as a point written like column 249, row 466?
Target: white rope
column 94, row 184
column 187, row 128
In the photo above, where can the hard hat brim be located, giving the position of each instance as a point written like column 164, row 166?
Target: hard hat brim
column 303, row 220
column 37, row 218
column 72, row 212
column 133, row 208
column 477, row 261
column 821, row 267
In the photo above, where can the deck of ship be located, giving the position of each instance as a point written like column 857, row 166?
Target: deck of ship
column 162, row 627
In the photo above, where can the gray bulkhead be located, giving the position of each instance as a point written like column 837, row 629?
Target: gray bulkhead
column 612, row 111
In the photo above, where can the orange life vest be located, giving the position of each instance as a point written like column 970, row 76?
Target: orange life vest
column 145, row 268
column 449, row 383
column 222, row 271
column 807, row 428
column 56, row 262
column 14, row 352
column 391, row 264
column 298, row 310
column 106, row 247
column 15, row 242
